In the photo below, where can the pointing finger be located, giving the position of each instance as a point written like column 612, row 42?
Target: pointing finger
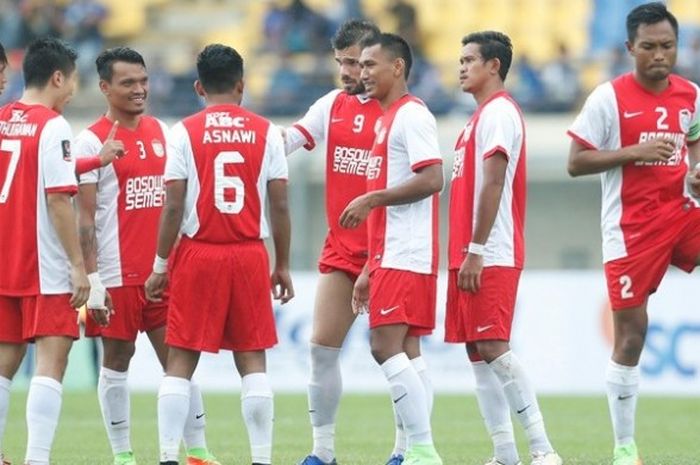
column 113, row 131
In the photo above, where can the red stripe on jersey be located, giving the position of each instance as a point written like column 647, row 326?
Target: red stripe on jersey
column 582, row 141
column 418, row 166
column 496, row 150
column 310, row 144
column 72, row 190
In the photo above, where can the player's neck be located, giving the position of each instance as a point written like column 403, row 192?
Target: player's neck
column 394, row 94
column 223, row 99
column 126, row 120
column 655, row 87
column 33, row 96
column 487, row 91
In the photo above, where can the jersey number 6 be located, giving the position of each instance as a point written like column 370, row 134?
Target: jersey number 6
column 222, row 182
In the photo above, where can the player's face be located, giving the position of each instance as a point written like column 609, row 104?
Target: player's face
column 348, row 60
column 66, row 90
column 128, row 89
column 3, row 76
column 379, row 71
column 654, row 50
column 473, row 70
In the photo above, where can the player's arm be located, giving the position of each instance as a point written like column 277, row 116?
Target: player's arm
column 494, row 175
column 584, row 159
column 62, row 216
column 110, row 150
column 170, row 220
column 311, row 128
column 280, row 224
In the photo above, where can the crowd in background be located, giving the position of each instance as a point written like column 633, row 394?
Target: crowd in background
column 297, row 39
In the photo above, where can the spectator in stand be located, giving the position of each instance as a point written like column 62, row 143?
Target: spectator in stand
column 561, row 82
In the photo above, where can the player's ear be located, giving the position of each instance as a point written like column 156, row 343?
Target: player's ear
column 104, row 87
column 628, row 46
column 199, row 89
column 240, row 85
column 57, row 78
column 495, row 66
column 399, row 66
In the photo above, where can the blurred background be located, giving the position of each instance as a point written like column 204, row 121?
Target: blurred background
column 563, row 48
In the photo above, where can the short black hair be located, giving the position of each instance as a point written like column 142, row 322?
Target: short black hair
column 493, row 44
column 649, row 13
column 44, row 57
column 3, row 56
column 219, row 68
column 353, row 32
column 106, row 59
column 395, row 44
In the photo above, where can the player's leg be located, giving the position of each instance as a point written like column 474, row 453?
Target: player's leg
column 622, row 379
column 113, row 395
column 494, row 409
column 174, row 401
column 333, row 317
column 45, row 396
column 11, row 356
column 257, row 404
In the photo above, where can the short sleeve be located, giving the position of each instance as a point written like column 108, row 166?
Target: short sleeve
column 592, row 126
column 498, row 129
column 419, row 132
column 176, row 164
column 694, row 131
column 311, row 129
column 87, row 145
column 274, row 151
column 55, row 153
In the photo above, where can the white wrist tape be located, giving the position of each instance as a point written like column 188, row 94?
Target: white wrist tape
column 476, row 249
column 96, row 299
column 160, row 265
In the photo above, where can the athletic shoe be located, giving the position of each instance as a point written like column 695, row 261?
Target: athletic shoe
column 124, row 458
column 546, row 458
column 395, row 459
column 3, row 461
column 313, row 460
column 626, row 455
column 493, row 461
column 422, row 454
column 211, row 460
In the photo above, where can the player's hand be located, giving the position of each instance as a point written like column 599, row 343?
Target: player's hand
column 155, row 286
column 102, row 315
column 659, row 149
column 112, row 148
column 356, row 211
column 281, row 285
column 694, row 181
column 360, row 294
column 469, row 277
column 96, row 301
column 81, row 286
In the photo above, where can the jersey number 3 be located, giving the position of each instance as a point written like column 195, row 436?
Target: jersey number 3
column 223, row 182
column 14, row 147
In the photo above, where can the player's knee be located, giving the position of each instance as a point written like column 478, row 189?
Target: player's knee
column 630, row 345
column 490, row 350
column 383, row 350
column 117, row 355
column 11, row 356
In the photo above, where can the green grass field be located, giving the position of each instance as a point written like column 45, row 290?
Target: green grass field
column 667, row 430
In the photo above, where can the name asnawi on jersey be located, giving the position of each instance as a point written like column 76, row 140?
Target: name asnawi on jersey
column 678, row 139
column 350, row 160
column 144, row 192
column 221, row 127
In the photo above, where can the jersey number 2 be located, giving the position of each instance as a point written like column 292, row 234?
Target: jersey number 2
column 223, row 182
column 626, row 283
column 15, row 148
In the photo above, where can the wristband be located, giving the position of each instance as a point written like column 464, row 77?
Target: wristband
column 476, row 249
column 94, row 279
column 160, row 265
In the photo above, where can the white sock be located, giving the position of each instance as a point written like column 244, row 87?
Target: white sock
column 173, row 405
column 113, row 394
column 623, row 388
column 496, row 413
column 258, row 414
column 400, row 439
column 193, row 434
column 408, row 395
column 422, row 369
column 4, row 405
column 325, row 388
column 522, row 400
column 43, row 410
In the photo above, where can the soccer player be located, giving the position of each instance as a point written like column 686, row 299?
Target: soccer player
column 42, row 280
column 120, row 208
column 399, row 281
column 222, row 164
column 3, row 69
column 345, row 119
column 486, row 248
column 635, row 131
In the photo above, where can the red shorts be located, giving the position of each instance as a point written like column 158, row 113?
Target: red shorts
column 26, row 318
column 487, row 314
column 334, row 260
column 633, row 278
column 220, row 298
column 132, row 313
column 402, row 297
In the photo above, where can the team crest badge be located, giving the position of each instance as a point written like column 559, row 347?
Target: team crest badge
column 467, row 131
column 65, row 148
column 158, row 148
column 684, row 119
column 381, row 135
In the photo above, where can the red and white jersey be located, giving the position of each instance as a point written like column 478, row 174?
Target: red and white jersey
column 497, row 126
column 35, row 160
column 130, row 194
column 404, row 237
column 227, row 155
column 347, row 124
column 639, row 198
